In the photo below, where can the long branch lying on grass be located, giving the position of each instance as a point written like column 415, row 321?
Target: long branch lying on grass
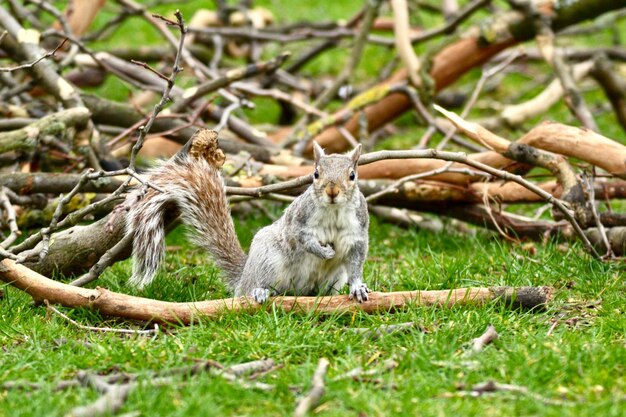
column 144, row 309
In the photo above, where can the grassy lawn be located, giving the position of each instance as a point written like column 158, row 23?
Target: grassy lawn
column 581, row 362
column 576, row 368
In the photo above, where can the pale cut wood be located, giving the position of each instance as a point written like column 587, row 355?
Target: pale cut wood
column 137, row 308
column 583, row 144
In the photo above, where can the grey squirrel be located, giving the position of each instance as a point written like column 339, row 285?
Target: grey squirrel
column 318, row 245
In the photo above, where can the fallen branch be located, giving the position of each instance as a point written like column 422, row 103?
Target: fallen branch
column 137, row 308
column 36, row 61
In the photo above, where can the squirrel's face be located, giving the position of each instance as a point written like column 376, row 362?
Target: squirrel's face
column 335, row 176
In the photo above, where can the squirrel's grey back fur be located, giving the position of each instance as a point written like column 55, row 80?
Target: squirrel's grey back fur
column 316, row 247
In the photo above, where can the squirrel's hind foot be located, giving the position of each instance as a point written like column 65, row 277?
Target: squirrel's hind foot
column 359, row 291
column 260, row 295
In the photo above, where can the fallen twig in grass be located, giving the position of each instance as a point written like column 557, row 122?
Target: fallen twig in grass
column 241, row 369
column 490, row 387
column 484, row 339
column 137, row 308
column 359, row 373
column 314, row 396
column 262, row 372
column 112, row 399
column 377, row 332
column 145, row 332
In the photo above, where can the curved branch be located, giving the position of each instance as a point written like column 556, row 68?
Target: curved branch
column 137, row 308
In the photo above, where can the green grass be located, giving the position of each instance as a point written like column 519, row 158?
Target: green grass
column 581, row 363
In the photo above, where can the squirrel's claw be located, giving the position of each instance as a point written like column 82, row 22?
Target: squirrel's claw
column 260, row 295
column 359, row 291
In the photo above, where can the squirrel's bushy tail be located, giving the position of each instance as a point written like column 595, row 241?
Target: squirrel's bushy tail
column 194, row 186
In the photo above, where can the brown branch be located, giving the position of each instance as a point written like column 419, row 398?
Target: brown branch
column 136, row 308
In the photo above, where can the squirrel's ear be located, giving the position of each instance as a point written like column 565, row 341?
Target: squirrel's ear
column 318, row 152
column 356, row 153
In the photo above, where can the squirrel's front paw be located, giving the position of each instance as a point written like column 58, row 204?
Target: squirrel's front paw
column 260, row 295
column 327, row 252
column 359, row 291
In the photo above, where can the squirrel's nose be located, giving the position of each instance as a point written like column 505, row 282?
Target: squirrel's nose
column 332, row 190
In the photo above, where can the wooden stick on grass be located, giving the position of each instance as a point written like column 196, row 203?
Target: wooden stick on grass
column 137, row 308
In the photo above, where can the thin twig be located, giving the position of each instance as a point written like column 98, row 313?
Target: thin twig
column 379, row 331
column 314, row 396
column 445, row 168
column 489, row 335
column 591, row 205
column 359, row 373
column 9, row 211
column 452, row 23
column 165, row 97
column 490, row 387
column 36, row 61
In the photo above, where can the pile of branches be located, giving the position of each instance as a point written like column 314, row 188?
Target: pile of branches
column 69, row 157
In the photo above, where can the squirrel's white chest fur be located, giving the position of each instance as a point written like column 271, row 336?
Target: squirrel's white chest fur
column 337, row 226
column 308, row 273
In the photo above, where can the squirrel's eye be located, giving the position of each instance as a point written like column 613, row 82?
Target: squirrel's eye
column 316, row 174
column 352, row 176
